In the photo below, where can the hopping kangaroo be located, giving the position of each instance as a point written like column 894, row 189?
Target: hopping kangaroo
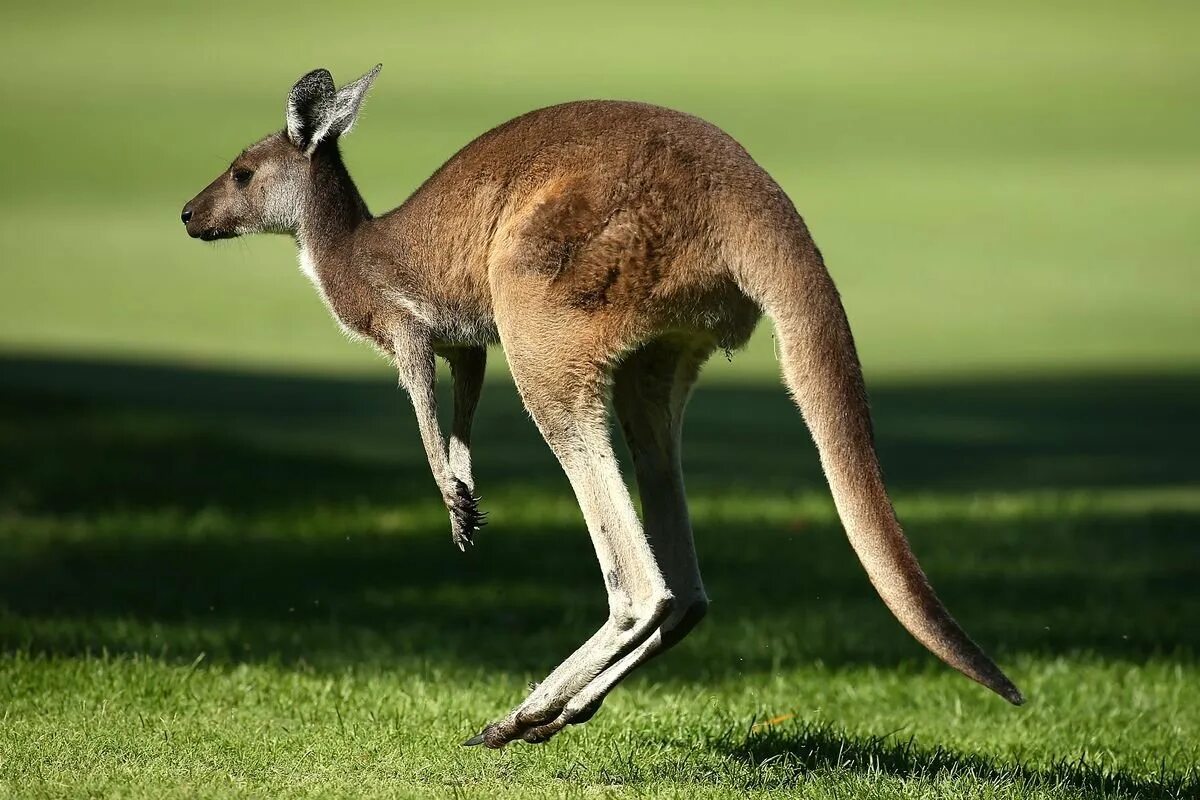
column 610, row 248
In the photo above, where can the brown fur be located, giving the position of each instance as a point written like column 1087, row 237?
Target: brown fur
column 599, row 242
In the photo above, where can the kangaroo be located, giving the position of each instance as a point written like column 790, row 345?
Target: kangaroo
column 610, row 248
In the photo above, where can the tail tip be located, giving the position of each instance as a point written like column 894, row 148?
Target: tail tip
column 1010, row 693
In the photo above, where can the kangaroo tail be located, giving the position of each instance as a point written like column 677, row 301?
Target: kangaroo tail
column 822, row 371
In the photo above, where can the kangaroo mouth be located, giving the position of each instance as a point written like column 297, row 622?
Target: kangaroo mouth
column 213, row 234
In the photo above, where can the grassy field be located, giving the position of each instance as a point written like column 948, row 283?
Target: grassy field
column 224, row 569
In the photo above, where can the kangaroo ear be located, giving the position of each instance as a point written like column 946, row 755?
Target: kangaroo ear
column 310, row 109
column 349, row 100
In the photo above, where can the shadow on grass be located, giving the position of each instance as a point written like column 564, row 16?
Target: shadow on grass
column 796, row 752
column 97, row 435
column 257, row 517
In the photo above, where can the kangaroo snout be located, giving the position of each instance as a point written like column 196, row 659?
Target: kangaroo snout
column 195, row 224
column 200, row 226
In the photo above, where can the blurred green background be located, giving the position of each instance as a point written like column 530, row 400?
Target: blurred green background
column 224, row 568
column 1008, row 187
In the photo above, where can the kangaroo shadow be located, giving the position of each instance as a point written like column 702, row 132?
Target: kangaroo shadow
column 794, row 753
column 257, row 517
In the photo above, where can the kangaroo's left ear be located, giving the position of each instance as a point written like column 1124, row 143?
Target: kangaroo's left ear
column 310, row 107
column 349, row 100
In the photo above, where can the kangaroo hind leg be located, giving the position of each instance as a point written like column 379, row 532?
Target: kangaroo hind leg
column 562, row 375
column 650, row 392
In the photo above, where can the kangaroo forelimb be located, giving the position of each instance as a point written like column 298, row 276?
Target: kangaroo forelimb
column 451, row 466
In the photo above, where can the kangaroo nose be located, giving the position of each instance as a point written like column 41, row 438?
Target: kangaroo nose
column 186, row 215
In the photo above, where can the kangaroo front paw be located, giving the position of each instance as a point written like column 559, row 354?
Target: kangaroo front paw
column 465, row 517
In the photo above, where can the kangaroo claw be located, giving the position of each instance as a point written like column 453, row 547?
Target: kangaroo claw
column 465, row 517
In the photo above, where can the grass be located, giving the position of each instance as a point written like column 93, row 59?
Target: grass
column 224, row 569
column 207, row 590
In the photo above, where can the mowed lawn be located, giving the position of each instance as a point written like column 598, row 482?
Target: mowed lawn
column 225, row 570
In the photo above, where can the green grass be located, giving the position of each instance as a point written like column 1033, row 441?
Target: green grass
column 224, row 569
column 220, row 581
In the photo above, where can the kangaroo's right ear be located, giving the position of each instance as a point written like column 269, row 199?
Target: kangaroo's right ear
column 349, row 100
column 310, row 109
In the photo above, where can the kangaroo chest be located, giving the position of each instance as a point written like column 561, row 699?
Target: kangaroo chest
column 368, row 313
column 349, row 303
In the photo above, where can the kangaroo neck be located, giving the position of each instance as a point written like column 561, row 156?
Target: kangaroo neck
column 333, row 210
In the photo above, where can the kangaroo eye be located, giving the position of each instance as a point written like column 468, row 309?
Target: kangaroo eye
column 242, row 176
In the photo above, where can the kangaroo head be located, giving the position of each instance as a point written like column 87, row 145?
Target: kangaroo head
column 268, row 185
